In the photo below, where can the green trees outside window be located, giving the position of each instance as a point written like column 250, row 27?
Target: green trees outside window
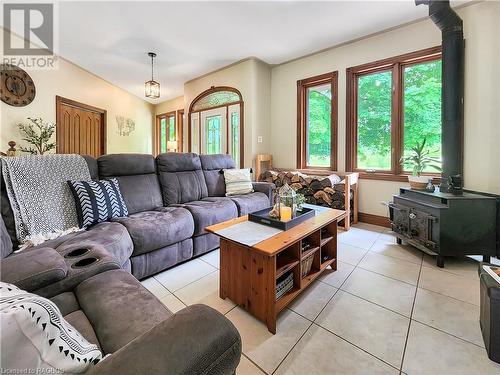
column 396, row 104
column 235, row 137
column 422, row 108
column 319, row 112
column 374, row 121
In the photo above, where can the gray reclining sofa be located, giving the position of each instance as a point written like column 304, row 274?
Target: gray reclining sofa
column 170, row 199
column 113, row 310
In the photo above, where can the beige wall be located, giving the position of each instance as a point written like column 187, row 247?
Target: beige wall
column 252, row 78
column 482, row 98
column 73, row 82
column 169, row 105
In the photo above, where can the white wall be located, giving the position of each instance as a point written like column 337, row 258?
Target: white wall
column 169, row 105
column 73, row 82
column 482, row 98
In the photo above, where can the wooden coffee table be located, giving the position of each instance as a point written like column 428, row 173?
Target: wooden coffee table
column 248, row 274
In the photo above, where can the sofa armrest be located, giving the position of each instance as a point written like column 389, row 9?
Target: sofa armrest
column 32, row 270
column 195, row 340
column 266, row 188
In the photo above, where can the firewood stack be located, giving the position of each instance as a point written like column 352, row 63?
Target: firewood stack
column 325, row 191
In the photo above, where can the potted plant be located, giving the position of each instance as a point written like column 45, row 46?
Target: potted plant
column 38, row 133
column 419, row 159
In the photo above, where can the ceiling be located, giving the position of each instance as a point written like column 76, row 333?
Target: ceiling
column 112, row 38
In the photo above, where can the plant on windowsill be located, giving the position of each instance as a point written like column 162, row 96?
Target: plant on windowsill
column 38, row 133
column 419, row 159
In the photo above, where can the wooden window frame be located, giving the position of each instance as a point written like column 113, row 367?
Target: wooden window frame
column 396, row 65
column 302, row 86
column 157, row 131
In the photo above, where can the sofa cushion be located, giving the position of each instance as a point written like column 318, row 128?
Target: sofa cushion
column 208, row 212
column 181, row 178
column 136, row 174
column 212, row 166
column 78, row 320
column 5, row 241
column 151, row 230
column 248, row 203
column 119, row 308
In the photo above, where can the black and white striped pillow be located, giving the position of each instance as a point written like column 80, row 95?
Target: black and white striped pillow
column 97, row 201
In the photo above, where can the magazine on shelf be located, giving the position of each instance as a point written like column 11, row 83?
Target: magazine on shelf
column 494, row 272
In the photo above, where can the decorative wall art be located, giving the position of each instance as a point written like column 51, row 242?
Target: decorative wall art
column 125, row 126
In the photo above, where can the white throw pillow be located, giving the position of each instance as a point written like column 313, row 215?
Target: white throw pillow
column 238, row 181
column 39, row 337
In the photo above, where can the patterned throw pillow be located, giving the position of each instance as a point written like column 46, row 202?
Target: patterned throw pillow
column 39, row 337
column 238, row 181
column 97, row 201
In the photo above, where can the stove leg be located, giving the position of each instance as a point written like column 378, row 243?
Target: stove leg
column 440, row 261
column 399, row 241
column 486, row 259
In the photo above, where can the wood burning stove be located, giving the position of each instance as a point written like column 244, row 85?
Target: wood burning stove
column 444, row 224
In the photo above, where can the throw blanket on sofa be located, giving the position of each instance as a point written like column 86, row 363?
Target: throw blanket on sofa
column 42, row 202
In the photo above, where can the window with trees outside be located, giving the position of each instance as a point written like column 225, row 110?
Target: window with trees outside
column 392, row 105
column 317, row 122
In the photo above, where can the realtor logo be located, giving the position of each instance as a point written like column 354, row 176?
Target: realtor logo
column 34, row 23
column 31, row 32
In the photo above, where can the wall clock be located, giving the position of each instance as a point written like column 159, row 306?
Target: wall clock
column 17, row 87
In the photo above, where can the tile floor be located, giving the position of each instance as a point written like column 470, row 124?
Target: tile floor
column 387, row 310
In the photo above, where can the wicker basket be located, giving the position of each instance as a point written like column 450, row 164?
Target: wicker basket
column 306, row 265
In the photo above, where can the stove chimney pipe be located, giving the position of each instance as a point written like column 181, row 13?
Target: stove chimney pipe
column 451, row 27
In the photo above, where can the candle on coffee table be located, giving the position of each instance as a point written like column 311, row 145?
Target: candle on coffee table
column 285, row 213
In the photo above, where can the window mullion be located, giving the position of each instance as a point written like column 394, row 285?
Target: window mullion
column 396, row 134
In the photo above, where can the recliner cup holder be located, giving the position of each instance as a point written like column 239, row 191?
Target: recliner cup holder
column 77, row 253
column 85, row 262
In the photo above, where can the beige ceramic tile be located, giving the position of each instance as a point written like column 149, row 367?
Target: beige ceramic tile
column 246, row 367
column 358, row 237
column 184, row 274
column 212, row 258
column 377, row 330
column 430, row 351
column 319, row 353
column 155, row 287
column 310, row 302
column 459, row 287
column 448, row 314
column 392, row 249
column 369, row 227
column 172, row 303
column 350, row 254
column 261, row 346
column 392, row 267
column 463, row 266
column 393, row 294
column 205, row 291
column 336, row 278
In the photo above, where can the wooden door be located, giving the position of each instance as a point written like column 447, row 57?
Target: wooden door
column 81, row 129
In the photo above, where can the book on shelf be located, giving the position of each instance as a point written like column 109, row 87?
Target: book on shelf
column 493, row 271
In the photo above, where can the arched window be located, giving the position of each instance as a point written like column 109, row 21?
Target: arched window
column 216, row 123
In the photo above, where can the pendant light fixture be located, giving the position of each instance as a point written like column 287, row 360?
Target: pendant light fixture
column 152, row 87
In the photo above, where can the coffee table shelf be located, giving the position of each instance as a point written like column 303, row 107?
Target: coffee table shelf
column 248, row 274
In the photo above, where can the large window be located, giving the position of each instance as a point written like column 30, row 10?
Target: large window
column 392, row 105
column 317, row 122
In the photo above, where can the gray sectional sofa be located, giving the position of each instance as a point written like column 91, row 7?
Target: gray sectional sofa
column 113, row 310
column 170, row 200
